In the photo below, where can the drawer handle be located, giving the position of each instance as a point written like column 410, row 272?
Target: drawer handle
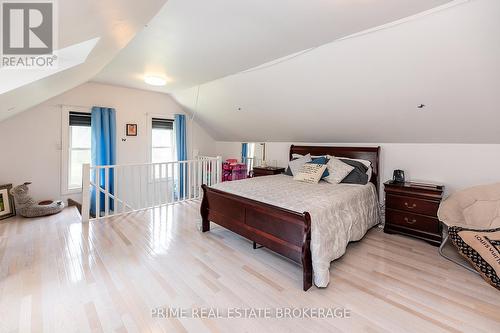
column 413, row 221
column 410, row 207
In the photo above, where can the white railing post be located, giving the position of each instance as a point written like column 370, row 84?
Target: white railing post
column 115, row 190
column 219, row 169
column 97, row 192
column 199, row 171
column 106, row 191
column 85, row 192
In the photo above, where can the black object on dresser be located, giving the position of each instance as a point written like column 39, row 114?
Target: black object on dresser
column 267, row 171
column 411, row 209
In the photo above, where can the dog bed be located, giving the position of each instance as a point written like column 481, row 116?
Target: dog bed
column 27, row 207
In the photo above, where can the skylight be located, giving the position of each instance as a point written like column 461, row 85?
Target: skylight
column 67, row 57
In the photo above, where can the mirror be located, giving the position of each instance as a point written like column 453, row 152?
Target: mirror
column 253, row 154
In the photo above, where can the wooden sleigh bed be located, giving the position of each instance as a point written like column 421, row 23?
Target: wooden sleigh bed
column 280, row 230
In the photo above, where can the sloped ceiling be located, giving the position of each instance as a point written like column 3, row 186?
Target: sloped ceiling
column 113, row 22
column 367, row 88
column 363, row 88
column 192, row 42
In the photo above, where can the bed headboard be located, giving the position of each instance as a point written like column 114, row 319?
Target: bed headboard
column 366, row 153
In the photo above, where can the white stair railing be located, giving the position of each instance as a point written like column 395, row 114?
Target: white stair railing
column 111, row 190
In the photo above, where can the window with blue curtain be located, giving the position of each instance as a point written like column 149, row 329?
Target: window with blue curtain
column 181, row 148
column 79, row 147
column 244, row 152
column 103, row 152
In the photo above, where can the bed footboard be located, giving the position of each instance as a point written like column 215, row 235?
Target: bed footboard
column 280, row 230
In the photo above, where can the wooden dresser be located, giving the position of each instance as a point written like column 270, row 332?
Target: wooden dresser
column 267, row 171
column 411, row 209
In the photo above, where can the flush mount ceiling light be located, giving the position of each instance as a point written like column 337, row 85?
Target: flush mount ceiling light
column 155, row 80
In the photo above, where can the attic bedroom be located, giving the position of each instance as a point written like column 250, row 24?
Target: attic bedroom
column 249, row 166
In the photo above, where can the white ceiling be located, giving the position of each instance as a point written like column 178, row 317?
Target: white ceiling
column 114, row 22
column 366, row 88
column 192, row 41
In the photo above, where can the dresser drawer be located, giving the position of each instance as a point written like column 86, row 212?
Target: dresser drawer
column 412, row 221
column 410, row 204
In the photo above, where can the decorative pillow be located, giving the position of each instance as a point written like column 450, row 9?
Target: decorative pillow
column 295, row 164
column 310, row 173
column 321, row 160
column 357, row 175
column 367, row 163
column 482, row 249
column 337, row 170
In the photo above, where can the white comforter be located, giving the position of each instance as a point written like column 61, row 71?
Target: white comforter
column 339, row 213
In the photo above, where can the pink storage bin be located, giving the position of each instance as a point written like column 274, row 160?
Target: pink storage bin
column 233, row 171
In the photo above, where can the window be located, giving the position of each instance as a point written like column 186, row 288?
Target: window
column 79, row 143
column 162, row 140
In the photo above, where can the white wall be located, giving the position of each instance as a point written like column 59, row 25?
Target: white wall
column 31, row 149
column 454, row 165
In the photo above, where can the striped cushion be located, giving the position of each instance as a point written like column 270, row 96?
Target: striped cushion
column 482, row 249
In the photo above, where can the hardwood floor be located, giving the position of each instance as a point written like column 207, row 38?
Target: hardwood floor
column 59, row 275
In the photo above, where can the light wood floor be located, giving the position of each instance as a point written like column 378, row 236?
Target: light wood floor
column 59, row 275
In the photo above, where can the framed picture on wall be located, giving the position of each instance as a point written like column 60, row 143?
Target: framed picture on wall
column 7, row 208
column 131, row 129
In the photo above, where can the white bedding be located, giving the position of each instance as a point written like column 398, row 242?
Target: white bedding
column 340, row 213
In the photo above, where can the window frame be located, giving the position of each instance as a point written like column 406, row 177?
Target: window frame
column 150, row 117
column 65, row 147
column 150, row 134
column 70, row 151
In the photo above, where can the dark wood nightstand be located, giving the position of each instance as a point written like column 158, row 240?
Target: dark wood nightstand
column 411, row 209
column 267, row 171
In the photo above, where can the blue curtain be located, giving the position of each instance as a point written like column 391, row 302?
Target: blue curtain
column 244, row 152
column 103, row 151
column 181, row 147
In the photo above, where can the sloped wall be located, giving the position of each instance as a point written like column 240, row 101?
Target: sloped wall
column 366, row 88
column 31, row 141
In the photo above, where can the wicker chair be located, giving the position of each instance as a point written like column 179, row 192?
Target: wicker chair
column 476, row 207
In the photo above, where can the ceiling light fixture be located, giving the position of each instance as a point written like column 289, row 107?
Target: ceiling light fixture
column 155, row 80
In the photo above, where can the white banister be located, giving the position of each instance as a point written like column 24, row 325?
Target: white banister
column 106, row 192
column 219, row 169
column 97, row 172
column 86, row 193
column 134, row 187
column 153, row 199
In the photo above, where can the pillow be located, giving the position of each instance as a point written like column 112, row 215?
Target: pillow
column 482, row 249
column 367, row 163
column 288, row 171
column 337, row 170
column 357, row 175
column 321, row 160
column 295, row 164
column 310, row 173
